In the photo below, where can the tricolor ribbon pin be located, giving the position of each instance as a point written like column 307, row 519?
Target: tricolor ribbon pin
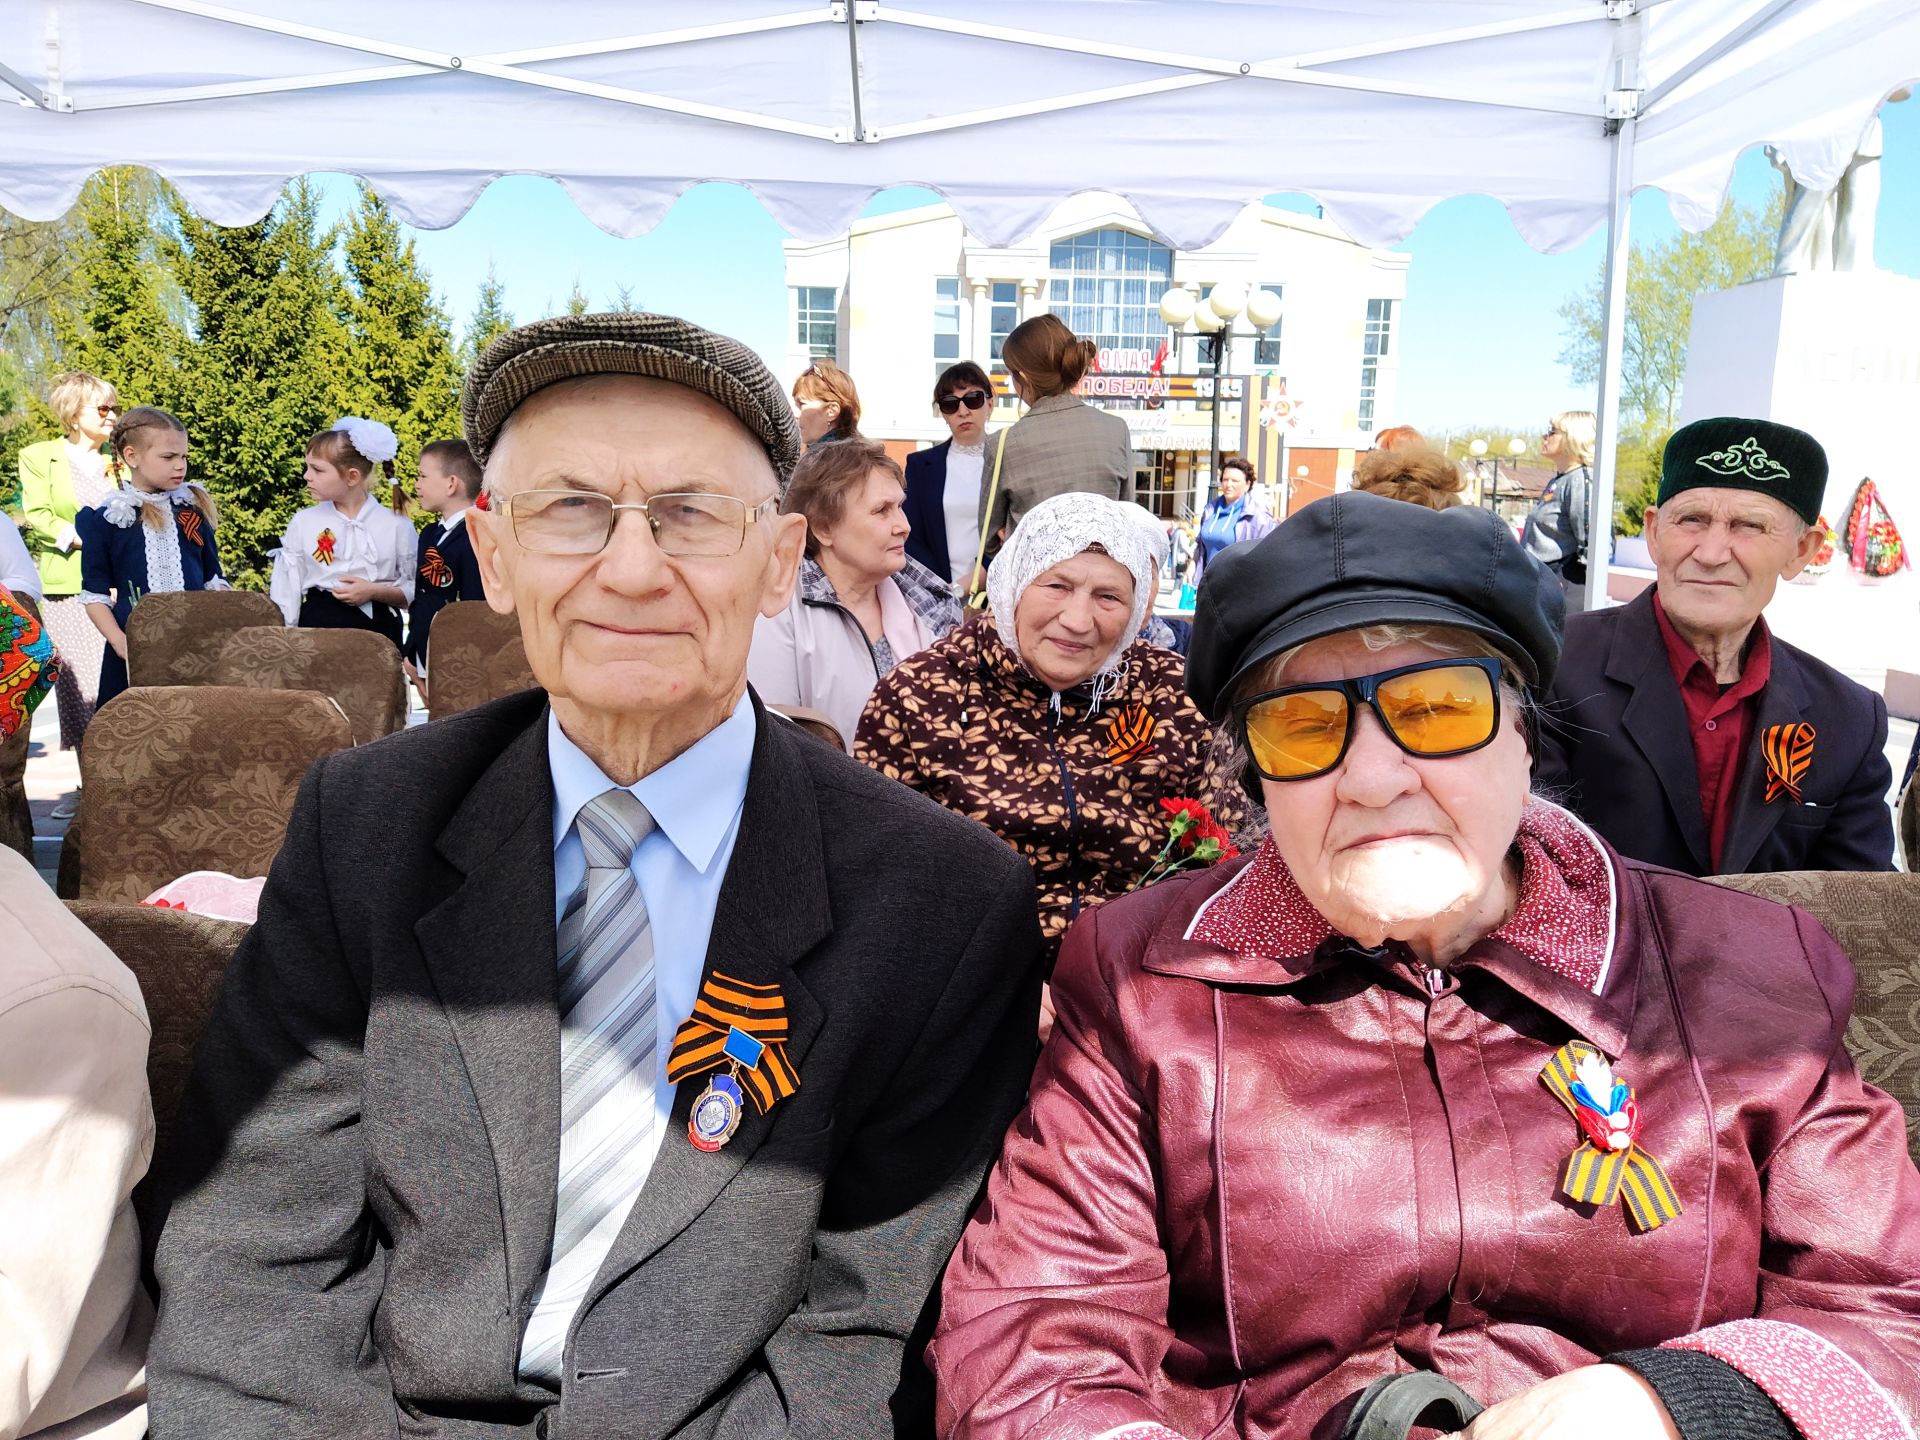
column 1609, row 1163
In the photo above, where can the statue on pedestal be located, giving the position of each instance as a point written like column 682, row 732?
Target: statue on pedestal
column 1832, row 229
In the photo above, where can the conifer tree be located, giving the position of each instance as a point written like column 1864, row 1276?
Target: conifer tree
column 401, row 365
column 269, row 365
column 490, row 319
column 577, row 301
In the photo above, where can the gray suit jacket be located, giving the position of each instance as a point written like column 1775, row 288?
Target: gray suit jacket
column 365, row 1197
column 1061, row 444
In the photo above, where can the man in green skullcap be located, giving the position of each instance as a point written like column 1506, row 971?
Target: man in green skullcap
column 1679, row 727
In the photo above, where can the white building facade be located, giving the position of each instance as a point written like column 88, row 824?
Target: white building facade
column 902, row 296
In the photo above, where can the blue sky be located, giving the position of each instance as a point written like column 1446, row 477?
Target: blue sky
column 1480, row 337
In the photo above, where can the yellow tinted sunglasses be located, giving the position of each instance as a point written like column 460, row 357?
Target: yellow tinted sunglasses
column 1434, row 709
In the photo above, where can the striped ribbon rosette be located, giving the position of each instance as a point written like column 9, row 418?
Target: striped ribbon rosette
column 1609, row 1164
column 743, row 1026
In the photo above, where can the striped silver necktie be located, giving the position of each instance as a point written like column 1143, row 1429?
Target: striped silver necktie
column 608, row 1041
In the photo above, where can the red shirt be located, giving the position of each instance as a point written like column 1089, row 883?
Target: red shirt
column 1719, row 719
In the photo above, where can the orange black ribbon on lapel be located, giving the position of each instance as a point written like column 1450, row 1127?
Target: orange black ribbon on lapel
column 1609, row 1164
column 1788, row 750
column 190, row 525
column 726, row 1005
column 1129, row 734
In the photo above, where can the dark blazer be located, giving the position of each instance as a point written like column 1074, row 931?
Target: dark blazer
column 365, row 1199
column 926, row 508
column 113, row 561
column 445, row 570
column 1614, row 748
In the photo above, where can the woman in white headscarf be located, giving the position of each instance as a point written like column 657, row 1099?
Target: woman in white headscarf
column 1051, row 720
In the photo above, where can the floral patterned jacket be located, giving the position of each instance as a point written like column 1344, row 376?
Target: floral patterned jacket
column 1074, row 787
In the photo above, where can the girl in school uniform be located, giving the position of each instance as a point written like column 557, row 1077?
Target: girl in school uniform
column 346, row 561
column 155, row 536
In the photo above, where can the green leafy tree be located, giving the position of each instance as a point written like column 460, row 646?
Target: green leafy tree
column 108, row 305
column 401, row 366
column 269, row 365
column 577, row 301
column 1662, row 281
column 490, row 319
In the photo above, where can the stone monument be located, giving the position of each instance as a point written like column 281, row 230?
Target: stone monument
column 1827, row 342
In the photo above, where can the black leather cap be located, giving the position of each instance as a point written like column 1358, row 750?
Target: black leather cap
column 1354, row 560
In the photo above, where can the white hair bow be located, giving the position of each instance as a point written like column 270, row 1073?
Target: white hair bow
column 369, row 437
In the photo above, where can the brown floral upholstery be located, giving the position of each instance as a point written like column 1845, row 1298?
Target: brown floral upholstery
column 175, row 639
column 179, row 778
column 16, row 816
column 473, row 656
column 178, row 959
column 1876, row 919
column 359, row 669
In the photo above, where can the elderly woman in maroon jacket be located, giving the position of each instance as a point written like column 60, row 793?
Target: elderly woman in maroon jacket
column 1435, row 1084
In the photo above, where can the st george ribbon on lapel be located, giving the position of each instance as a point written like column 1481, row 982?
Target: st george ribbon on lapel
column 743, row 1027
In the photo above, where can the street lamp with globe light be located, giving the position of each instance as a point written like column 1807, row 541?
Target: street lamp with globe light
column 1480, row 451
column 1227, row 302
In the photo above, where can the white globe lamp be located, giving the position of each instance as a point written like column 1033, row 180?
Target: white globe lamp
column 1516, row 447
column 1477, row 449
column 1228, row 299
column 1204, row 319
column 1263, row 309
column 1177, row 307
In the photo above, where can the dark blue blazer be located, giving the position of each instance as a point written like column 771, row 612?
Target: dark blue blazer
column 444, row 571
column 113, row 561
column 926, row 508
column 1614, row 748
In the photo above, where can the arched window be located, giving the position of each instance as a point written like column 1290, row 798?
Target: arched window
column 1106, row 284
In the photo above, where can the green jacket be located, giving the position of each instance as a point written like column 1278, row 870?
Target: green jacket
column 47, row 501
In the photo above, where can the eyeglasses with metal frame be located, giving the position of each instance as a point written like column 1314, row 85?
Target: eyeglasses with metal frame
column 685, row 523
column 1433, row 710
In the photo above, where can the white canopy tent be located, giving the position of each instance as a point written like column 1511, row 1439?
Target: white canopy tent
column 1191, row 109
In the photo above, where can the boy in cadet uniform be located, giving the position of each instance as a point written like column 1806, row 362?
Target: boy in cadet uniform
column 446, row 570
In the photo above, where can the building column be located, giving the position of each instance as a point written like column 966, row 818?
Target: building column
column 1030, row 302
column 980, row 323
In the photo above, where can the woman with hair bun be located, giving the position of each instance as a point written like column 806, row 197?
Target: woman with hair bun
column 1061, row 444
column 1412, row 473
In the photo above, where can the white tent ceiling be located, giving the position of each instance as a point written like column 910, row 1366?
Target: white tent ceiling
column 1189, row 108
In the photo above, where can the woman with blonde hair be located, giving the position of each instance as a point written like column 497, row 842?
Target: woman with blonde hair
column 827, row 404
column 59, row 479
column 1412, row 473
column 1062, row 444
column 1556, row 530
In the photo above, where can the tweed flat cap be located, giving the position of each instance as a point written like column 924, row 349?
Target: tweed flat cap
column 657, row 347
column 1731, row 453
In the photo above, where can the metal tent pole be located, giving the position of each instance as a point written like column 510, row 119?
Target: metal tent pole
column 1613, row 335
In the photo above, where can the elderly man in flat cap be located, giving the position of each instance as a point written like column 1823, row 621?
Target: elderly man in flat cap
column 616, row 1059
column 1679, row 727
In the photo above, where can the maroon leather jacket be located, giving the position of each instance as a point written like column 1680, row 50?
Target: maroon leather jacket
column 1245, row 1187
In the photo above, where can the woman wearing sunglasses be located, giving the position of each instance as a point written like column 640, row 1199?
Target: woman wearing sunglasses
column 1435, row 1083
column 943, row 482
column 59, row 479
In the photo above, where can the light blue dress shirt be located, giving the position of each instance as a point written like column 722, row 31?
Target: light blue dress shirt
column 695, row 800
